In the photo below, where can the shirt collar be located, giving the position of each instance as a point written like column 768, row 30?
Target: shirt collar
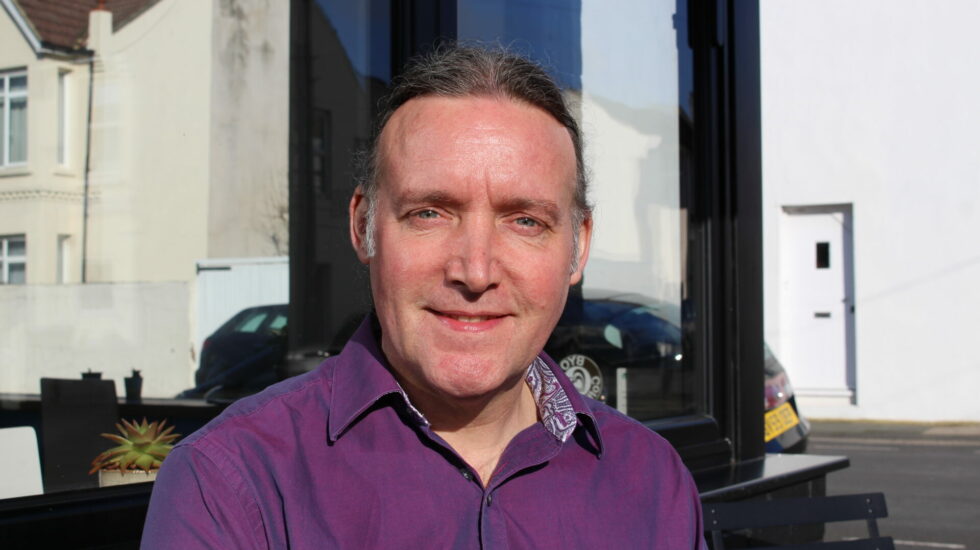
column 361, row 379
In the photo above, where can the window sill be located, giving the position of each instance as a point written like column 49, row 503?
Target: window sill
column 65, row 172
column 14, row 171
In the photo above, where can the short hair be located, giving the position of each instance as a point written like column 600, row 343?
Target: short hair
column 462, row 71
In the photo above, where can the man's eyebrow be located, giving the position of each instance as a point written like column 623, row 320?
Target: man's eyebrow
column 546, row 207
column 441, row 198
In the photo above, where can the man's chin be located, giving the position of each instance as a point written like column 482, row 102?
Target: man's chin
column 476, row 382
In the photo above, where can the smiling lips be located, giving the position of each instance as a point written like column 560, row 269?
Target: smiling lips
column 467, row 322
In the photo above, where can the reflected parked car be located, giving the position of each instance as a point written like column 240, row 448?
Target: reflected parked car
column 627, row 350
column 250, row 351
column 242, row 356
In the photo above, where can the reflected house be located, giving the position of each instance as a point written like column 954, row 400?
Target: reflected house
column 640, row 246
column 343, row 92
column 155, row 136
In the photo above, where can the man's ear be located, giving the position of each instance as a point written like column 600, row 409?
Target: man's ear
column 357, row 212
column 584, row 242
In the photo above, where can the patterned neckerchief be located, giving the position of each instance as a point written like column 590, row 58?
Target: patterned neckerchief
column 556, row 411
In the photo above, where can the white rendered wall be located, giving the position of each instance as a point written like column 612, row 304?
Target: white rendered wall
column 60, row 331
column 151, row 146
column 875, row 104
column 249, row 112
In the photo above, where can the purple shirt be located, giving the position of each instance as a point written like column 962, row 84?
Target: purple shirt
column 338, row 458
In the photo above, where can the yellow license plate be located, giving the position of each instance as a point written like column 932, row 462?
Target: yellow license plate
column 779, row 420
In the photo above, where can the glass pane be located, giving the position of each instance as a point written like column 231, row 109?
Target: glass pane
column 620, row 338
column 62, row 117
column 17, row 274
column 16, row 247
column 18, row 83
column 18, row 130
column 823, row 255
column 251, row 323
column 278, row 323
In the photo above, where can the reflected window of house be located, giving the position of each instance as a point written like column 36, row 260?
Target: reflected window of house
column 13, row 260
column 63, row 121
column 13, row 117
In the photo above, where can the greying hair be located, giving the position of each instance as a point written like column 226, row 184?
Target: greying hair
column 461, row 71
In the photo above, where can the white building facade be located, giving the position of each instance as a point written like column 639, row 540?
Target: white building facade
column 872, row 205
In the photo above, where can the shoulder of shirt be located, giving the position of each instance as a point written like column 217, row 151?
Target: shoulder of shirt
column 309, row 392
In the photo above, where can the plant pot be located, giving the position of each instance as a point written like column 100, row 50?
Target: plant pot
column 134, row 386
column 108, row 478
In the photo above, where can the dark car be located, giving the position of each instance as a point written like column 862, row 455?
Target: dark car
column 627, row 350
column 786, row 430
column 624, row 349
column 242, row 356
column 250, row 351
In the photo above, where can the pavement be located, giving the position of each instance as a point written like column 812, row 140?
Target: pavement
column 929, row 473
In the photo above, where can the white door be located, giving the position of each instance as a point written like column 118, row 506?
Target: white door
column 816, row 317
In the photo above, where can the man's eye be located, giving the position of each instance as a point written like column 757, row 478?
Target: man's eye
column 527, row 222
column 427, row 214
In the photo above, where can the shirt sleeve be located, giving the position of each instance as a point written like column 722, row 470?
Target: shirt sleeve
column 699, row 538
column 197, row 504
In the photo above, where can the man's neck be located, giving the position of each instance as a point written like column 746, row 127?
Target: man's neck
column 479, row 432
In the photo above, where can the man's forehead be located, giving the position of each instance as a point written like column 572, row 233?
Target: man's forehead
column 434, row 133
column 426, row 117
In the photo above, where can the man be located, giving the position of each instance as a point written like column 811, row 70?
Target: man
column 442, row 424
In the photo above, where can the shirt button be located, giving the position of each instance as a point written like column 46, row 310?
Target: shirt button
column 466, row 475
column 489, row 500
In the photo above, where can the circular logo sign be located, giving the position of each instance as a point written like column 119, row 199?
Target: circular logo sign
column 584, row 374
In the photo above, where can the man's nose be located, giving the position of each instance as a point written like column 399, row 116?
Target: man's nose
column 473, row 263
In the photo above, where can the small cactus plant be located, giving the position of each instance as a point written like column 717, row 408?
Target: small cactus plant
column 142, row 446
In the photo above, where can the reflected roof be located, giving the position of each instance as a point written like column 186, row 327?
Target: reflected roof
column 63, row 24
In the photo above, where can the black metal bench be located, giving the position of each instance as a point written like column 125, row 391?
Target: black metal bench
column 721, row 517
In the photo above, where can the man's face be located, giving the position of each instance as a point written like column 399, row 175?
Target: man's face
column 474, row 234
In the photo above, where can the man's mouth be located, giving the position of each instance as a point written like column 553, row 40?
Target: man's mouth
column 468, row 321
column 469, row 318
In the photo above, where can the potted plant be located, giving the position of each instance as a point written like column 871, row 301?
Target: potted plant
column 142, row 448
